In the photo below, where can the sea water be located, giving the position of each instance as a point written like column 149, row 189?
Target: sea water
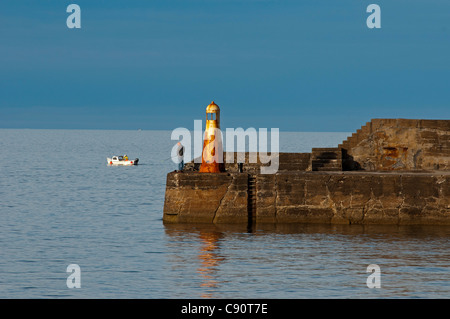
column 61, row 204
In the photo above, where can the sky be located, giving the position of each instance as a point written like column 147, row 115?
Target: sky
column 300, row 65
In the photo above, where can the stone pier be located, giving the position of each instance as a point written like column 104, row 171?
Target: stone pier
column 391, row 171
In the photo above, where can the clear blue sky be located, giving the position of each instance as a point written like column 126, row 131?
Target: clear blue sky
column 309, row 65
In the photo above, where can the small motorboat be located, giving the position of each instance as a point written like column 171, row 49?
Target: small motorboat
column 121, row 161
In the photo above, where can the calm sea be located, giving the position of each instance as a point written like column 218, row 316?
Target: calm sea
column 60, row 204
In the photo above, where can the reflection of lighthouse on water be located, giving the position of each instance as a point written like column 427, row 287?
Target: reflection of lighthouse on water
column 210, row 261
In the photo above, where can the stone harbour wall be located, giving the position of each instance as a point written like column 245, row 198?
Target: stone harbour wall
column 206, row 198
column 354, row 198
column 399, row 144
column 310, row 197
column 390, row 171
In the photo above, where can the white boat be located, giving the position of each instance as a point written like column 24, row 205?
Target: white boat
column 122, row 161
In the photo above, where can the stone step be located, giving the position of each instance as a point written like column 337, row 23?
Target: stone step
column 327, row 162
column 365, row 129
column 328, row 169
column 251, row 207
column 326, row 158
column 293, row 158
column 326, row 153
column 343, row 145
column 338, row 167
column 356, row 137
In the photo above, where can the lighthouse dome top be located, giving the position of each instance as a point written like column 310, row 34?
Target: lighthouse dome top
column 212, row 108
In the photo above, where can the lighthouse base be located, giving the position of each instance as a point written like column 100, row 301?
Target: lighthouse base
column 212, row 168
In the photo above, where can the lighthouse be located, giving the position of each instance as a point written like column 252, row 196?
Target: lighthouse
column 212, row 154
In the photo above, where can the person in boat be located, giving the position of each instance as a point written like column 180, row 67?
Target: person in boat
column 180, row 154
column 125, row 157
